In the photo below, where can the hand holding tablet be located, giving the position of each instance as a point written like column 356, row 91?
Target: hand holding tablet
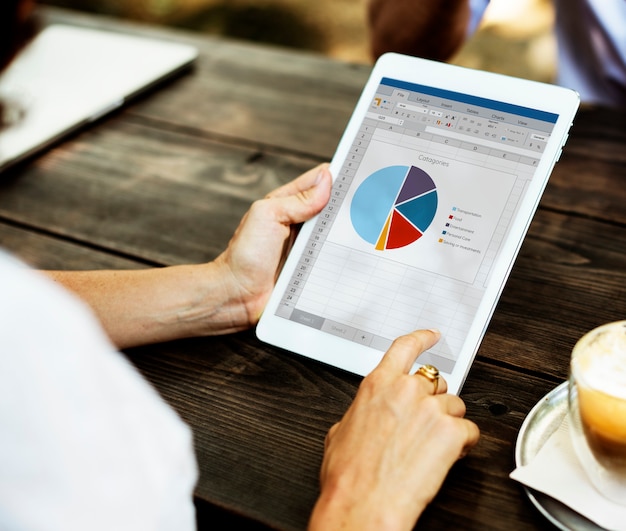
column 436, row 180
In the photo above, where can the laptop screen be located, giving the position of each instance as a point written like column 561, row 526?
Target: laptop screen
column 68, row 77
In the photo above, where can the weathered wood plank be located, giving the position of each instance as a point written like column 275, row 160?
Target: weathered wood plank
column 161, row 196
column 588, row 180
column 570, row 277
column 44, row 252
column 250, row 398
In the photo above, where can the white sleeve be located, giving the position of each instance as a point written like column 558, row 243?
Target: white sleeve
column 86, row 442
column 592, row 49
column 477, row 10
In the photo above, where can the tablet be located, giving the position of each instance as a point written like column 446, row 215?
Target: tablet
column 435, row 182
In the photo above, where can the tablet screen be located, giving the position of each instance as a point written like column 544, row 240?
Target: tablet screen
column 425, row 193
column 418, row 214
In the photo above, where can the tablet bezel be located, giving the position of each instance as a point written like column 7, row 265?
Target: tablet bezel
column 359, row 359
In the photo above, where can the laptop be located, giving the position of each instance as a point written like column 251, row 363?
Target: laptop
column 68, row 77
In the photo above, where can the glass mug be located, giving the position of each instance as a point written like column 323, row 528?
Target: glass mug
column 597, row 408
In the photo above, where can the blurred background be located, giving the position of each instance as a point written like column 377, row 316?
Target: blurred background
column 516, row 37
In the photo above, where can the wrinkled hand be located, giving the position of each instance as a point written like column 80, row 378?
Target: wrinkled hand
column 138, row 307
column 387, row 458
column 260, row 244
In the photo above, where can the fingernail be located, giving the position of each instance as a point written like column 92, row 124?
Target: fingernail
column 320, row 174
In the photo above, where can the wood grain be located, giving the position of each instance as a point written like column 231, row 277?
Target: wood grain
column 166, row 181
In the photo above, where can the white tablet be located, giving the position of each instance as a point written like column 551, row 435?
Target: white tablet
column 436, row 180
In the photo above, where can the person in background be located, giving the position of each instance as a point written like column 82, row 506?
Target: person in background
column 87, row 443
column 590, row 38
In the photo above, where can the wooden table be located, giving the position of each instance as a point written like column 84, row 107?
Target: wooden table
column 166, row 180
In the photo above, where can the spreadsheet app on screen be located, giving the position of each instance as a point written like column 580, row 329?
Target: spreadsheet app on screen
column 434, row 189
column 416, row 218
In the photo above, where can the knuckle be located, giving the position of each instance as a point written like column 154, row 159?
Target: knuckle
column 331, row 432
column 371, row 383
column 408, row 341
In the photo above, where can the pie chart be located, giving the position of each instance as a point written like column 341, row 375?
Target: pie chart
column 394, row 206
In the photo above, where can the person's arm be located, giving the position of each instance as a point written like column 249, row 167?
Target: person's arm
column 387, row 458
column 226, row 295
column 433, row 29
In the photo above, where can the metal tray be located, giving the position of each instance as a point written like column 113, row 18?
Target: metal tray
column 542, row 421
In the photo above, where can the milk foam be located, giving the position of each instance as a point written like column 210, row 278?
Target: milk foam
column 600, row 359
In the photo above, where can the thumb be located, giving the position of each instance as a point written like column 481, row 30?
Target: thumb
column 304, row 197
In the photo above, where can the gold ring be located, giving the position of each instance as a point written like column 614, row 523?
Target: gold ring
column 431, row 373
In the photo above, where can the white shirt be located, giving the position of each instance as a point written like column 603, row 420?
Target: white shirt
column 591, row 39
column 592, row 49
column 85, row 442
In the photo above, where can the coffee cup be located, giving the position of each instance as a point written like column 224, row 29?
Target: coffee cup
column 597, row 408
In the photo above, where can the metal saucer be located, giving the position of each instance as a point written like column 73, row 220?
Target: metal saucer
column 542, row 421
